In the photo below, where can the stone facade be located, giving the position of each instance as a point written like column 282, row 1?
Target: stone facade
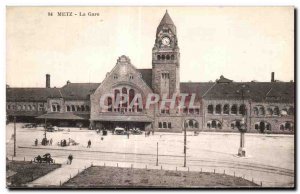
column 265, row 107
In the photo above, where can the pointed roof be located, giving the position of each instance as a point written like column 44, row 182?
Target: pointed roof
column 166, row 19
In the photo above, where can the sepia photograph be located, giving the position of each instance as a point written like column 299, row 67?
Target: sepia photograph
column 103, row 97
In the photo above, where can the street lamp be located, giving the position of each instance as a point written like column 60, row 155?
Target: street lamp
column 243, row 124
column 184, row 148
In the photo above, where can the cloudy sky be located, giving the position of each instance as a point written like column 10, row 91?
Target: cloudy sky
column 241, row 43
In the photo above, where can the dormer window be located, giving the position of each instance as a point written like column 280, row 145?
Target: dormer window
column 130, row 76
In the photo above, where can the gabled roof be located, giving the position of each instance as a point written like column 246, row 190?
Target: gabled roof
column 199, row 88
column 256, row 91
column 31, row 94
column 146, row 76
column 78, row 91
column 224, row 80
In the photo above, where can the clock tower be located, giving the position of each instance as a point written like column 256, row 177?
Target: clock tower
column 165, row 59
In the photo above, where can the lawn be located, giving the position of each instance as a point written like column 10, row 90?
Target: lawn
column 19, row 172
column 103, row 177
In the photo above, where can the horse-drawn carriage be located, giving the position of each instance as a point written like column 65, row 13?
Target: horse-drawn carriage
column 45, row 159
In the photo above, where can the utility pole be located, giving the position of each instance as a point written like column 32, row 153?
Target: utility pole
column 45, row 134
column 184, row 164
column 157, row 154
column 15, row 136
column 243, row 126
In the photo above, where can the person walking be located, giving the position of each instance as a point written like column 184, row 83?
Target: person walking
column 70, row 158
column 89, row 144
column 51, row 141
column 36, row 142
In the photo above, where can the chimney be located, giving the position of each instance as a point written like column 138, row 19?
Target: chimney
column 47, row 80
column 272, row 77
column 68, row 82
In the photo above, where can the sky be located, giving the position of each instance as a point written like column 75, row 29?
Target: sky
column 241, row 43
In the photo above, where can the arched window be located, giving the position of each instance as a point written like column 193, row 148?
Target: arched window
column 78, row 108
column 58, row 108
column 255, row 111
column 262, row 126
column 172, row 57
column 109, row 104
column 158, row 57
column 53, row 108
column 159, row 125
column 290, row 111
column 117, row 93
column 29, row 107
column 82, row 108
column 276, row 111
column 73, row 108
column 234, row 109
column 87, row 108
column 289, row 126
column 261, row 110
column 218, row 109
column 168, row 57
column 226, row 109
column 68, row 108
column 269, row 111
column 242, row 109
column 164, row 125
column 191, row 124
column 210, row 109
column 213, row 124
column 124, row 92
column 163, row 57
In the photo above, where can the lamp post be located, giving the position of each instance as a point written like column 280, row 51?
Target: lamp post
column 243, row 125
column 15, row 136
column 184, row 148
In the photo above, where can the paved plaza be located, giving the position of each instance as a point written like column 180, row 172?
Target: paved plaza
column 270, row 158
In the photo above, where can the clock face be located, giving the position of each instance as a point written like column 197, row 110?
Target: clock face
column 166, row 41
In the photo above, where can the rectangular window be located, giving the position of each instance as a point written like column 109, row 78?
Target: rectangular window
column 159, row 125
column 164, row 125
column 41, row 107
column 169, row 125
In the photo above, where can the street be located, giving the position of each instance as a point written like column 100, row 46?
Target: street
column 270, row 158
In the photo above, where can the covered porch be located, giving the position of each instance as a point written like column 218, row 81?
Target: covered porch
column 109, row 122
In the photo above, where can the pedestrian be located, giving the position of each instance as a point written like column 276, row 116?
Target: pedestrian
column 70, row 158
column 127, row 135
column 61, row 143
column 51, row 141
column 89, row 144
column 65, row 142
column 36, row 142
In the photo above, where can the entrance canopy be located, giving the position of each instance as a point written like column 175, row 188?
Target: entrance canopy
column 124, row 118
column 65, row 116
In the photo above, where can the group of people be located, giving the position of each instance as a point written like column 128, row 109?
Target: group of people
column 63, row 143
column 43, row 142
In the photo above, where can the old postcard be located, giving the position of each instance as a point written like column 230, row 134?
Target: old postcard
column 150, row 97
